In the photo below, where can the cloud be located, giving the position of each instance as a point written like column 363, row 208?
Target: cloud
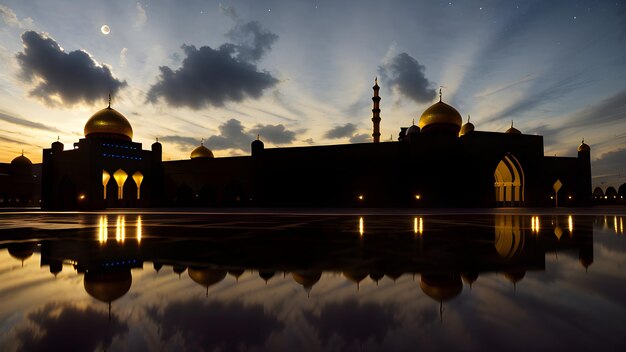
column 254, row 41
column 213, row 77
column 214, row 325
column 9, row 17
column 141, row 17
column 26, row 123
column 608, row 111
column 123, row 54
column 183, row 142
column 405, row 75
column 63, row 78
column 56, row 324
column 611, row 165
column 344, row 131
column 229, row 11
column 360, row 138
column 276, row 134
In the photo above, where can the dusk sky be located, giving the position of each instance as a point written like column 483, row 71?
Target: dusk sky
column 300, row 72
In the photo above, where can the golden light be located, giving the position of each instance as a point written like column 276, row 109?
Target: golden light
column 105, row 180
column 615, row 224
column 360, row 197
column 361, row 228
column 120, row 229
column 551, row 197
column 570, row 224
column 81, row 196
column 120, row 178
column 534, row 224
column 569, row 197
column 103, row 230
column 138, row 177
column 139, row 231
column 418, row 197
column 621, row 225
column 105, row 29
column 418, row 225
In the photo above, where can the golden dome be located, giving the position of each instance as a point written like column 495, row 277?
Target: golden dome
column 440, row 117
column 110, row 123
column 107, row 286
column 513, row 129
column 466, row 128
column 584, row 147
column 201, row 152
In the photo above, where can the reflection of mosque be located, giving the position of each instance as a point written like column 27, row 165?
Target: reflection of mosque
column 439, row 162
column 444, row 259
column 20, row 183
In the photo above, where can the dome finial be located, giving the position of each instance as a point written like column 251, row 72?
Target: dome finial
column 258, row 137
column 202, row 141
column 583, row 142
column 440, row 93
column 157, row 139
column 22, row 152
column 468, row 118
column 511, row 123
column 376, row 80
column 109, row 100
column 413, row 121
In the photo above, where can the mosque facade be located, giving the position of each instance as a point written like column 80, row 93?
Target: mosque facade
column 440, row 162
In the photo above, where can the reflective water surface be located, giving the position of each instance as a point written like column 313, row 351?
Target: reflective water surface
column 312, row 282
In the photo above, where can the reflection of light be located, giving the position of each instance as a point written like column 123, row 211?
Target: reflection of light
column 570, row 223
column 139, row 229
column 615, row 224
column 120, row 230
column 361, row 229
column 360, row 197
column 81, row 197
column 418, row 197
column 421, row 226
column 621, row 225
column 534, row 224
column 103, row 229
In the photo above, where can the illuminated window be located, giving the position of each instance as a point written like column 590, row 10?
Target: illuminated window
column 120, row 178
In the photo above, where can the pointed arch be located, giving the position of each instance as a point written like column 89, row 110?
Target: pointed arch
column 509, row 182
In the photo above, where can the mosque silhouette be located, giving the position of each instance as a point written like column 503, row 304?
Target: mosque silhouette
column 440, row 162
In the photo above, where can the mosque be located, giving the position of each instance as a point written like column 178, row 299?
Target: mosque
column 440, row 162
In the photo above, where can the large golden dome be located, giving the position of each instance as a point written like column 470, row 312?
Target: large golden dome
column 440, row 117
column 108, row 122
column 201, row 152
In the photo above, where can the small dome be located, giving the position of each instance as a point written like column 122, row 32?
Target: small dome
column 515, row 276
column 440, row 117
column 466, row 128
column 441, row 287
column 206, row 276
column 584, row 147
column 513, row 130
column 21, row 162
column 201, row 152
column 109, row 123
column 413, row 129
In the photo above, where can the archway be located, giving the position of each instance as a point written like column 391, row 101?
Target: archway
column 509, row 182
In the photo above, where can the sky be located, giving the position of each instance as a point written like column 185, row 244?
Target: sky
column 301, row 72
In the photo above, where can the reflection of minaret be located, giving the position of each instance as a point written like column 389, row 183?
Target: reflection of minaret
column 356, row 277
column 376, row 112
column 206, row 276
column 236, row 273
column 107, row 286
column 441, row 287
column 307, row 279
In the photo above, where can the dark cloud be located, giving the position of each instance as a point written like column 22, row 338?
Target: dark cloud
column 344, row 131
column 72, row 77
column 405, row 75
column 276, row 134
column 608, row 111
column 214, row 326
column 360, row 138
column 254, row 41
column 216, row 76
column 26, row 123
column 355, row 323
column 232, row 136
column 57, row 325
column 611, row 165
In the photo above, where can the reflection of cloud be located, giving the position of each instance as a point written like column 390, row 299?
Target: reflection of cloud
column 214, row 325
column 352, row 322
column 58, row 325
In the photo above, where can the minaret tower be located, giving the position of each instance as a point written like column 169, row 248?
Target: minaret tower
column 376, row 112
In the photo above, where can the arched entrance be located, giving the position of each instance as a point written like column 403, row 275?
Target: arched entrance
column 509, row 182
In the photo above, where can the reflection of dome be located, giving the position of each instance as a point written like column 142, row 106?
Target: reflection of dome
column 466, row 128
column 377, row 275
column 21, row 251
column 584, row 147
column 440, row 117
column 513, row 130
column 107, row 286
column 585, row 262
column 307, row 279
column 355, row 276
column 441, row 287
column 469, row 277
column 109, row 123
column 515, row 276
column 236, row 273
column 205, row 276
column 201, row 152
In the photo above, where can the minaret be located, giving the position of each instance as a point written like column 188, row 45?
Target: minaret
column 376, row 112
